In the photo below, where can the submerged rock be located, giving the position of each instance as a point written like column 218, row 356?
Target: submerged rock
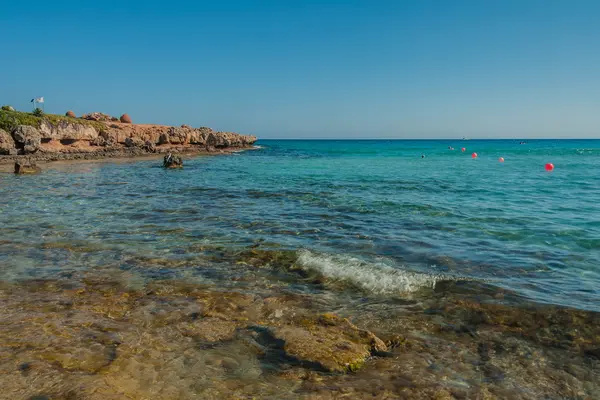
column 180, row 340
column 595, row 353
column 89, row 358
column 330, row 341
column 26, row 167
column 209, row 329
column 550, row 326
column 259, row 258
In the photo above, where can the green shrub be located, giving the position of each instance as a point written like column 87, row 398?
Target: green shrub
column 7, row 108
column 9, row 120
column 38, row 112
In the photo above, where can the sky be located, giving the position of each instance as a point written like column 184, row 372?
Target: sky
column 313, row 69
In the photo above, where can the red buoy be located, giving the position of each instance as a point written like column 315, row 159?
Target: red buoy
column 501, row 159
column 549, row 167
column 463, row 149
column 474, row 155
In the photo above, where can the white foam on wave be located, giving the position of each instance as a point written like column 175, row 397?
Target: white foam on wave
column 378, row 278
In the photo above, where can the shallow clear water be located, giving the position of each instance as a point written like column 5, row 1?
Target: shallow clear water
column 370, row 213
column 306, row 269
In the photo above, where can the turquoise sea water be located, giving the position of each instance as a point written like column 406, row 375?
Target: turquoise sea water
column 370, row 213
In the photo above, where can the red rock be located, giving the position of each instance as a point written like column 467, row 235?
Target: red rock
column 70, row 114
column 125, row 119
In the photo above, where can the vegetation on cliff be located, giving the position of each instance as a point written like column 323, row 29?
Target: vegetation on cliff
column 9, row 120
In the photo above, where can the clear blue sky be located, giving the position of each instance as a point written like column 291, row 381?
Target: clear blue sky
column 287, row 69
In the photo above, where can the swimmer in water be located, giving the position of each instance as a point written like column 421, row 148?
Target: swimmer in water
column 422, row 155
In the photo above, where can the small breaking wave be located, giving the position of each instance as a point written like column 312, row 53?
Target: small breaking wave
column 377, row 278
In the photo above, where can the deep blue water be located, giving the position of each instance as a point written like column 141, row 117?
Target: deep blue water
column 354, row 210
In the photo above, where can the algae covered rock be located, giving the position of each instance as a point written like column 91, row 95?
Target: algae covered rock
column 89, row 358
column 334, row 343
column 259, row 258
column 209, row 329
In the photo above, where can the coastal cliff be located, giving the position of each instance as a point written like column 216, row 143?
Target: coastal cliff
column 52, row 137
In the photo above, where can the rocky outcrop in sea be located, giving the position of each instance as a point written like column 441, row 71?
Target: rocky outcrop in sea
column 97, row 135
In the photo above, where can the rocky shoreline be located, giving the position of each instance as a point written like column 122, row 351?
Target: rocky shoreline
column 94, row 336
column 67, row 138
column 113, row 153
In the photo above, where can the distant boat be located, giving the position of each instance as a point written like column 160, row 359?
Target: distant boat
column 464, row 138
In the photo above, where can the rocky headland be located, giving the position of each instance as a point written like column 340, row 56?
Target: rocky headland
column 47, row 137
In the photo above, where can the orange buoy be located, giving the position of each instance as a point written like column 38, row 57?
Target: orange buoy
column 549, row 167
column 501, row 159
column 474, row 155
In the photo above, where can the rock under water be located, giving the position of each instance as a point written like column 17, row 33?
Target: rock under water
column 26, row 167
column 96, row 339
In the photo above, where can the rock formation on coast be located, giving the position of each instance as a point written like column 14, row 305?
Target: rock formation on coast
column 98, row 135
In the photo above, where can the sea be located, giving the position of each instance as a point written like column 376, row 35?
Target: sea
column 472, row 271
column 384, row 215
